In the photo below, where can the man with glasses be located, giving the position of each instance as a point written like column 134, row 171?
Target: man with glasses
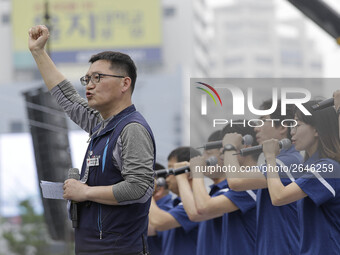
column 116, row 185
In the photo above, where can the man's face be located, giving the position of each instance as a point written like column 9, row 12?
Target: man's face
column 104, row 95
column 171, row 179
column 267, row 131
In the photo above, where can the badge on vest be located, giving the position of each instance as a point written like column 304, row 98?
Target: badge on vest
column 93, row 161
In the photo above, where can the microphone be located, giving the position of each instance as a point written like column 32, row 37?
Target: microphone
column 284, row 144
column 211, row 161
column 181, row 170
column 165, row 172
column 73, row 173
column 247, row 140
column 160, row 182
column 162, row 173
column 323, row 104
column 184, row 169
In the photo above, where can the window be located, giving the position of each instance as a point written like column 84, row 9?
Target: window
column 291, row 58
column 169, row 12
column 5, row 18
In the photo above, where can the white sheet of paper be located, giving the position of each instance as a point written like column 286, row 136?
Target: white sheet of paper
column 52, row 190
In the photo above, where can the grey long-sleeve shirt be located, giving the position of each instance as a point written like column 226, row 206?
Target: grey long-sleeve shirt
column 133, row 154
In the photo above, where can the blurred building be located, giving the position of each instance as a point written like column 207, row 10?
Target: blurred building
column 250, row 42
column 6, row 65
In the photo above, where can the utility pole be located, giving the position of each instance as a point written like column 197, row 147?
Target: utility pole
column 47, row 21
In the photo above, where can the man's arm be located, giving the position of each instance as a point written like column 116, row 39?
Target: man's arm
column 186, row 194
column 72, row 103
column 137, row 158
column 75, row 106
column 151, row 230
column 38, row 37
column 240, row 180
column 137, row 171
column 160, row 219
column 79, row 192
column 210, row 207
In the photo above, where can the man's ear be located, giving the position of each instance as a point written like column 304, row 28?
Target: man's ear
column 126, row 84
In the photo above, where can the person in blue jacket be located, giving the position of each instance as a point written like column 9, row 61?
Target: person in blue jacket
column 318, row 189
column 277, row 228
column 163, row 200
column 179, row 236
column 227, row 218
column 116, row 185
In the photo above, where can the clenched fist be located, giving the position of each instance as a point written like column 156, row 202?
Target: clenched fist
column 38, row 36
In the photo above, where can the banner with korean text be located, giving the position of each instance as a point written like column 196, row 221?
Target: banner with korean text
column 81, row 28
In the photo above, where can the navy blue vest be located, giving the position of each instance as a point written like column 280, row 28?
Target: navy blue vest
column 108, row 229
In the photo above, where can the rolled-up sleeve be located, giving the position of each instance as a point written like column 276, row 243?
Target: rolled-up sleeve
column 137, row 158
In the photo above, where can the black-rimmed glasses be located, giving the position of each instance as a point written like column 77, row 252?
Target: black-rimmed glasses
column 95, row 78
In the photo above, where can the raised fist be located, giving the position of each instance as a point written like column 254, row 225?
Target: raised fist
column 38, row 36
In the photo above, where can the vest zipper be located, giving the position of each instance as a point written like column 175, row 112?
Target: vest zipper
column 100, row 224
column 104, row 153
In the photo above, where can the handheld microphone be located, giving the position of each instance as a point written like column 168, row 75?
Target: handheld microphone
column 161, row 173
column 323, row 104
column 184, row 169
column 211, row 161
column 73, row 173
column 284, row 144
column 160, row 182
column 181, row 170
column 246, row 140
column 165, row 172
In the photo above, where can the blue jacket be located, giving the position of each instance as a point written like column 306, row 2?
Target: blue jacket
column 109, row 229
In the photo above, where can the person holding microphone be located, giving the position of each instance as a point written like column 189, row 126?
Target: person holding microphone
column 277, row 228
column 227, row 218
column 116, row 185
column 318, row 189
column 179, row 233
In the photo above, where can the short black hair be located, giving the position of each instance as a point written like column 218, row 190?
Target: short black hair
column 119, row 61
column 215, row 136
column 184, row 153
column 277, row 113
column 158, row 166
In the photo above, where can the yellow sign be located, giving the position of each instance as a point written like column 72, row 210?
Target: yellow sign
column 79, row 25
